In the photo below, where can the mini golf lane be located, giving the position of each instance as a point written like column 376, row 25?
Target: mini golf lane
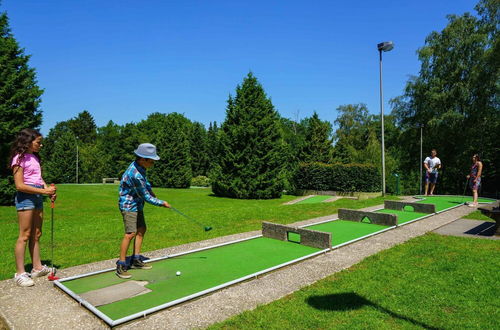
column 213, row 268
column 345, row 231
column 200, row 271
column 315, row 199
column 445, row 202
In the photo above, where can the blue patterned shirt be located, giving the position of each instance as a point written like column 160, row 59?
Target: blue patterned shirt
column 135, row 190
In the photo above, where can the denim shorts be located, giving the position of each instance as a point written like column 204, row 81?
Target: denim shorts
column 431, row 177
column 26, row 201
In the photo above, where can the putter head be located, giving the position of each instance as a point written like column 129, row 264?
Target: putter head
column 52, row 276
column 208, row 228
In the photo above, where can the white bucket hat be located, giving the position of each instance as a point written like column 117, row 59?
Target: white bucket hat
column 146, row 150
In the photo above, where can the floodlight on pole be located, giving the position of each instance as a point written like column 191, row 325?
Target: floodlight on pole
column 383, row 47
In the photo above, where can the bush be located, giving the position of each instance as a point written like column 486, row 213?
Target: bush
column 200, row 181
column 7, row 191
column 337, row 177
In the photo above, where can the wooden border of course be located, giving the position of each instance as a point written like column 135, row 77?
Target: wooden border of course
column 417, row 207
column 375, row 218
column 308, row 237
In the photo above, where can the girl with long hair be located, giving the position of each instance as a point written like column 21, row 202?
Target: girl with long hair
column 30, row 186
column 475, row 178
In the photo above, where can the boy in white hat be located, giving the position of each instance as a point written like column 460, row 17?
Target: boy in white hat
column 134, row 191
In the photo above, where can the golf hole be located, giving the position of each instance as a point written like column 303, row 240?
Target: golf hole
column 366, row 220
column 293, row 237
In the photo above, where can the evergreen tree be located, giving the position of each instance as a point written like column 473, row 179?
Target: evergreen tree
column 212, row 146
column 318, row 143
column 172, row 142
column 109, row 143
column 19, row 101
column 83, row 127
column 199, row 149
column 250, row 163
column 61, row 167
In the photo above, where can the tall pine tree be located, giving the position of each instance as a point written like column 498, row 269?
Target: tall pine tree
column 250, row 163
column 19, row 101
column 318, row 143
column 198, row 149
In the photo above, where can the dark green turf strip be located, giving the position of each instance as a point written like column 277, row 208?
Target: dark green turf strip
column 200, row 271
column 314, row 199
column 345, row 231
column 404, row 216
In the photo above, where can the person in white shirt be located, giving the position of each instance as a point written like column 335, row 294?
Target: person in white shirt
column 432, row 164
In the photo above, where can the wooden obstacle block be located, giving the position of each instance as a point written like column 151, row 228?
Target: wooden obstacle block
column 417, row 207
column 373, row 217
column 308, row 237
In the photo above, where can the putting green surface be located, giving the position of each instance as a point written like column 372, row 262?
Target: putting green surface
column 315, row 199
column 200, row 271
column 404, row 216
column 445, row 202
column 345, row 231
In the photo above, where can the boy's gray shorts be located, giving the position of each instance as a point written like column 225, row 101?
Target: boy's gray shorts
column 133, row 220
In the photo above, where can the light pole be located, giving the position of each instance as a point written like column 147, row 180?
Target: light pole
column 421, row 160
column 76, row 140
column 383, row 46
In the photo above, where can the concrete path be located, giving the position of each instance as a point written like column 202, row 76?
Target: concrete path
column 469, row 228
column 49, row 308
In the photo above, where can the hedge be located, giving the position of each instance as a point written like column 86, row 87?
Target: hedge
column 337, row 177
column 7, row 191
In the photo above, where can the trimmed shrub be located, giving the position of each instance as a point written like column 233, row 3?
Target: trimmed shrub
column 200, row 181
column 7, row 191
column 337, row 177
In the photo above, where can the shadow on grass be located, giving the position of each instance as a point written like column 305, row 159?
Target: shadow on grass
column 351, row 301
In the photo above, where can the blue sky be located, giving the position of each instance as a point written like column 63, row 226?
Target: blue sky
column 122, row 60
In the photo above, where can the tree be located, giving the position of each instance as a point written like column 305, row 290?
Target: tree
column 19, row 100
column 198, row 145
column 456, row 97
column 212, row 146
column 83, row 127
column 250, row 163
column 172, row 141
column 61, row 167
column 318, row 142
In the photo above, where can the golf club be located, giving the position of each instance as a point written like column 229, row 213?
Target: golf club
column 52, row 276
column 465, row 189
column 206, row 228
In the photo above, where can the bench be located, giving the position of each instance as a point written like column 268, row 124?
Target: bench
column 109, row 180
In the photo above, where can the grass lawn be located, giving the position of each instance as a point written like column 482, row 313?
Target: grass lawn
column 477, row 215
column 431, row 282
column 88, row 225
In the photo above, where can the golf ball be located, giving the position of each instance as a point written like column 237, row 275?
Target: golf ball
column 178, row 273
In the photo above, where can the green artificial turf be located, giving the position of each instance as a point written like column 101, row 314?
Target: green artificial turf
column 430, row 282
column 314, row 199
column 404, row 216
column 200, row 271
column 89, row 228
column 345, row 231
column 445, row 202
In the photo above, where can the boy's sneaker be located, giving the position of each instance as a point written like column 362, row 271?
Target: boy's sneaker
column 121, row 271
column 23, row 279
column 39, row 273
column 138, row 264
